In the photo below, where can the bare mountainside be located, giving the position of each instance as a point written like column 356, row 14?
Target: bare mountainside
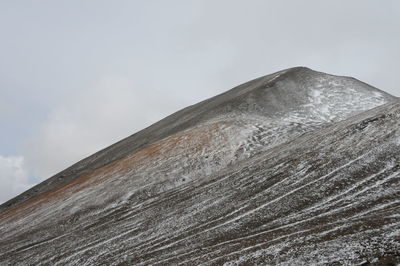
column 296, row 167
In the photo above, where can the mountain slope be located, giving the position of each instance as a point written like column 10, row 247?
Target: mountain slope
column 274, row 108
column 284, row 169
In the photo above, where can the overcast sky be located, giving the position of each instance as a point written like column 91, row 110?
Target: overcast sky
column 77, row 76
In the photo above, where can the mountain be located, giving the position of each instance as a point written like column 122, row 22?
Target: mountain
column 296, row 167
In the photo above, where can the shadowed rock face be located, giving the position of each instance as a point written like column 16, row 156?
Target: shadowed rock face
column 296, row 167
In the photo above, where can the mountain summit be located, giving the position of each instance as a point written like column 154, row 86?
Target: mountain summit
column 295, row 167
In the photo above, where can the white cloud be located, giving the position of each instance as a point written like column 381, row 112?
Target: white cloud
column 13, row 177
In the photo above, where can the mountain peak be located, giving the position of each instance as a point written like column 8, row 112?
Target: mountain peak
column 285, row 104
column 296, row 166
column 300, row 88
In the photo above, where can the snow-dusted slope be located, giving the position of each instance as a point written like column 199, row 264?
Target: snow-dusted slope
column 232, row 179
column 268, row 111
